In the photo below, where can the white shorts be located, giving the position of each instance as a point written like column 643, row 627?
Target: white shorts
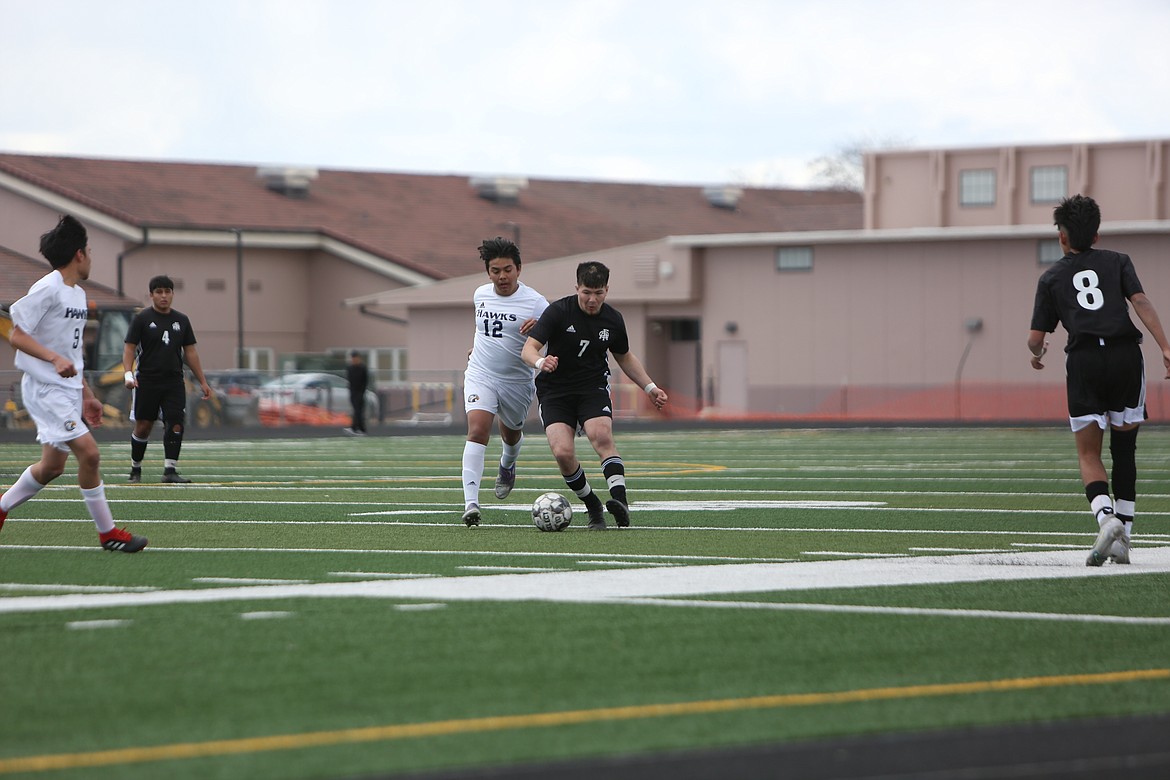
column 56, row 410
column 507, row 400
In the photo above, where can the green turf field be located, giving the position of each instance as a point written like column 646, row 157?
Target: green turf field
column 314, row 607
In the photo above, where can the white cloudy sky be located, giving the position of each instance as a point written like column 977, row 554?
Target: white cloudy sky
column 686, row 91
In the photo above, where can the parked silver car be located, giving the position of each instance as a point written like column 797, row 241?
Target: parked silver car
column 324, row 391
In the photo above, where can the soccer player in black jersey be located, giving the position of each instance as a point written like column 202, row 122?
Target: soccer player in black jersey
column 162, row 339
column 572, row 385
column 1086, row 292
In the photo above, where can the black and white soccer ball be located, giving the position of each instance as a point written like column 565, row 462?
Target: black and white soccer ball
column 552, row 512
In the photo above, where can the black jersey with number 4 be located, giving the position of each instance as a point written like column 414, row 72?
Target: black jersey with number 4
column 580, row 342
column 1087, row 293
column 160, row 339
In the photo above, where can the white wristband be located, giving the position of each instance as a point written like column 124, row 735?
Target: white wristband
column 538, row 364
column 129, row 376
column 650, row 388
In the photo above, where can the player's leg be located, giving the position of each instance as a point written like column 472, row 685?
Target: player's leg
column 56, row 411
column 479, row 426
column 174, row 415
column 1126, row 401
column 1089, row 386
column 93, row 491
column 562, row 441
column 1123, row 449
column 144, row 406
column 599, row 430
column 33, row 479
column 1089, row 440
column 514, row 402
column 512, row 440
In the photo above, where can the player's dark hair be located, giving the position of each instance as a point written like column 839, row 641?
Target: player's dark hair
column 592, row 274
column 161, row 282
column 62, row 243
column 494, row 248
column 1079, row 218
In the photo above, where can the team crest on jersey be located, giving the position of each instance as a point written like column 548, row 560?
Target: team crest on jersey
column 604, row 334
column 175, row 327
column 472, row 398
column 71, row 425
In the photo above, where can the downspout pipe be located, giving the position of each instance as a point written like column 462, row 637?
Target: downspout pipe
column 126, row 253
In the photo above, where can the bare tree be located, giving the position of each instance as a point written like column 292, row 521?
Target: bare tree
column 845, row 169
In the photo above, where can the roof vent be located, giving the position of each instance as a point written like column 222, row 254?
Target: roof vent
column 726, row 197
column 501, row 189
column 288, row 181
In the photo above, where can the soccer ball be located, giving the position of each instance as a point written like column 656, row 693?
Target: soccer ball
column 552, row 512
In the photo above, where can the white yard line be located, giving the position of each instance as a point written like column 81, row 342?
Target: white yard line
column 628, row 586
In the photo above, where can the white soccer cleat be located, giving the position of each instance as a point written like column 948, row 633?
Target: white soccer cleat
column 1111, row 530
column 1119, row 552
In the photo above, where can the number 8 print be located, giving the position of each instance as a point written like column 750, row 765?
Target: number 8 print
column 1090, row 296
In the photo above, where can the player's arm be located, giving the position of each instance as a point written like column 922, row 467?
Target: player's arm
column 632, row 367
column 191, row 356
column 30, row 346
column 128, row 364
column 91, row 408
column 1038, row 346
column 1149, row 316
column 532, row 357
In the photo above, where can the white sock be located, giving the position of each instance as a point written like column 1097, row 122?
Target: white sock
column 169, row 463
column 511, row 453
column 99, row 508
column 22, row 490
column 473, row 455
column 1097, row 504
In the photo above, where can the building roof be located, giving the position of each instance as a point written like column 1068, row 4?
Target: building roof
column 429, row 223
column 20, row 273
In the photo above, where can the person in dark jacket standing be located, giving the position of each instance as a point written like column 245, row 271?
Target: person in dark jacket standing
column 359, row 381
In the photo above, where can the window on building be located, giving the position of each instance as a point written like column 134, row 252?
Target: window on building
column 1049, row 183
column 977, row 188
column 258, row 358
column 1048, row 251
column 391, row 363
column 794, row 258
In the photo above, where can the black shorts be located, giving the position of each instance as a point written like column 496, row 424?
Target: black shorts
column 574, row 409
column 1106, row 378
column 166, row 395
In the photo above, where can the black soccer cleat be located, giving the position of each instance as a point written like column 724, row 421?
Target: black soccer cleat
column 620, row 512
column 121, row 540
column 596, row 517
column 135, row 475
column 173, row 477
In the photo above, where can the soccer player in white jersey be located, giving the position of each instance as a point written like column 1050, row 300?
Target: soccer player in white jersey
column 497, row 384
column 48, row 335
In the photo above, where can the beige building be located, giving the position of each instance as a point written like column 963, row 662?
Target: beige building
column 922, row 314
column 263, row 258
column 910, row 301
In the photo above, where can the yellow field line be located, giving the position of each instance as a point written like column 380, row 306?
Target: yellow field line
column 227, row 747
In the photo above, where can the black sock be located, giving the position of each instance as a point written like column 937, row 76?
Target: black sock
column 615, row 476
column 137, row 449
column 579, row 484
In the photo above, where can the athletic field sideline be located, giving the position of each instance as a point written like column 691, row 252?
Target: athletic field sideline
column 313, row 607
